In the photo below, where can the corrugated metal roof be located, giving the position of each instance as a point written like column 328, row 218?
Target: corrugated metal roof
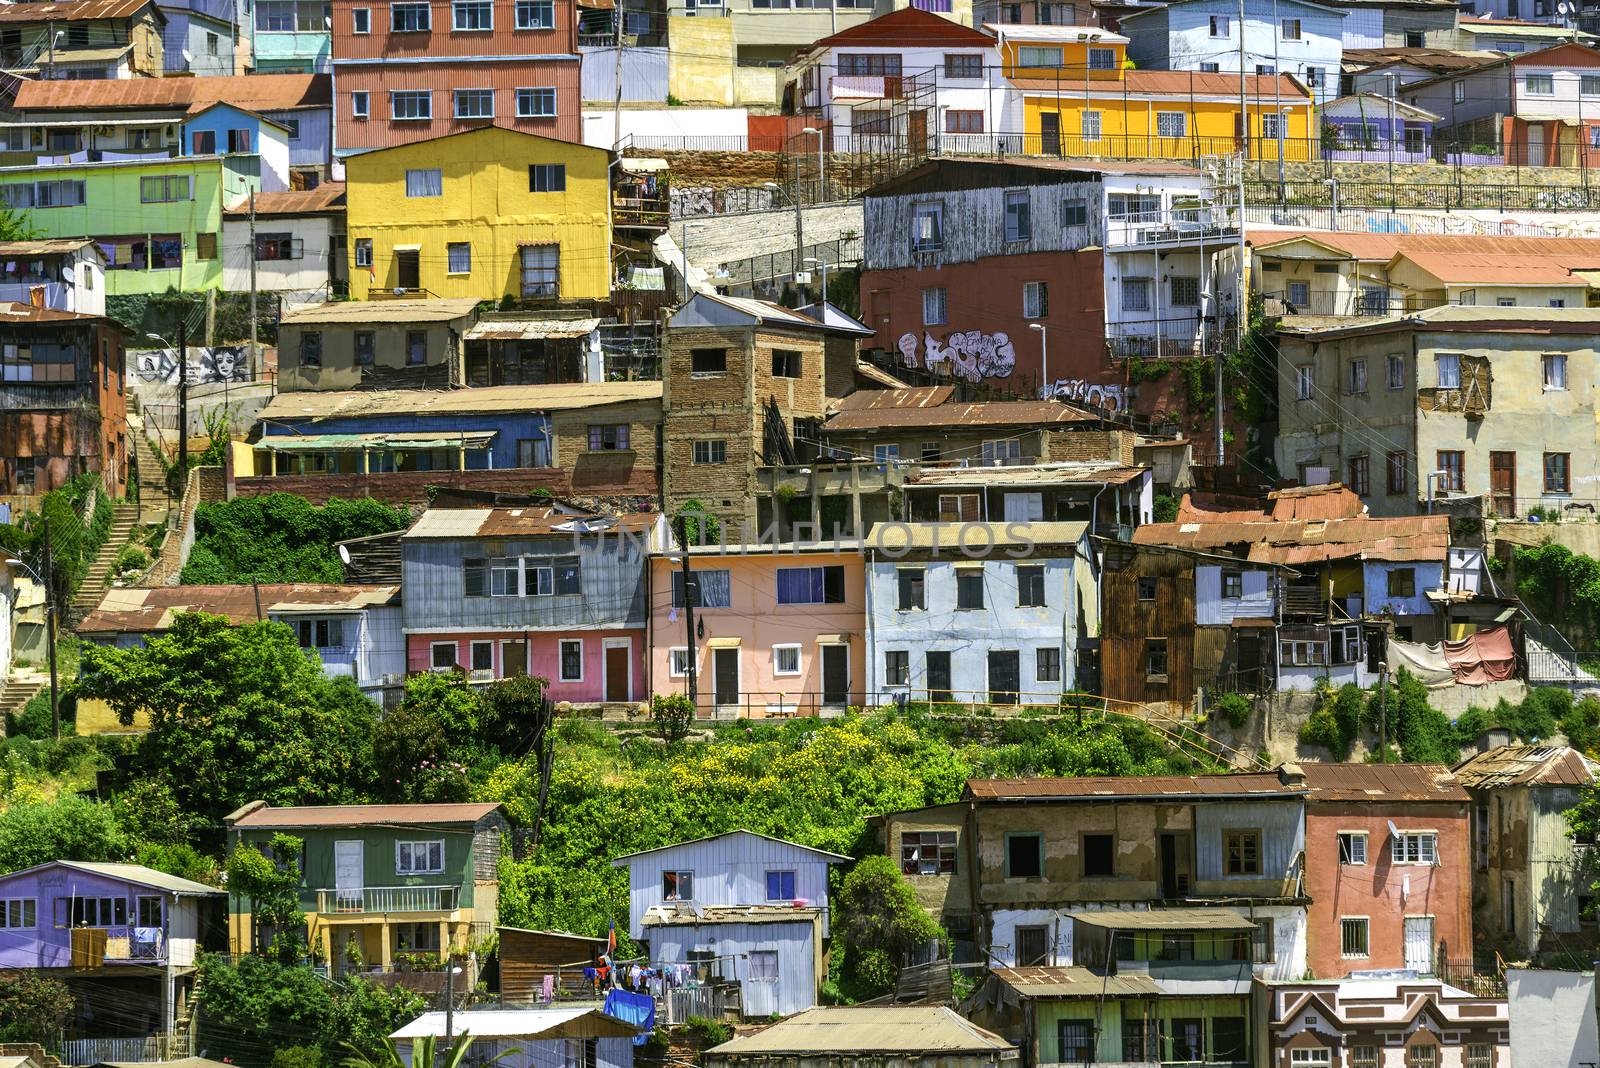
column 554, row 934
column 133, row 610
column 83, row 11
column 1331, row 501
column 422, row 439
column 1528, row 765
column 267, row 817
column 254, row 92
column 1438, row 60
column 437, row 310
column 325, row 198
column 1027, row 475
column 855, row 1029
column 1504, row 270
column 1252, row 784
column 514, row 1023
column 14, row 312
column 45, row 246
column 529, row 329
column 1175, row 83
column 620, row 862
column 138, row 873
column 1025, row 32
column 1381, row 247
column 1212, row 919
column 1075, row 982
column 1310, row 541
column 666, row 916
column 976, row 538
column 532, row 521
column 293, row 407
column 920, row 413
column 1381, row 782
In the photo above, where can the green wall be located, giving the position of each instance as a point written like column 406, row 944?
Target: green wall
column 380, row 856
column 1109, row 1047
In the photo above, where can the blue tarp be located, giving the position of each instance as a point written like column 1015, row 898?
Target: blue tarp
column 637, row 1009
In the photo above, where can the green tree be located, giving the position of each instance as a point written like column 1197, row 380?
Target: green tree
column 281, row 538
column 254, row 1005
column 673, row 714
column 1582, row 726
column 366, row 1014
column 33, row 1007
column 423, row 749
column 236, row 714
column 17, row 225
column 879, row 921
column 149, row 812
column 71, row 828
column 271, row 884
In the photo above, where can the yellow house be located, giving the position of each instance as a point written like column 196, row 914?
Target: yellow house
column 1080, row 98
column 486, row 213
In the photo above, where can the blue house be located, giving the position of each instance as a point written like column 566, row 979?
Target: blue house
column 739, row 908
column 224, row 129
column 1367, row 126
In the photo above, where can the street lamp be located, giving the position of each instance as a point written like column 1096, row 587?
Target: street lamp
column 450, row 972
column 1044, row 354
column 823, row 264
column 50, row 627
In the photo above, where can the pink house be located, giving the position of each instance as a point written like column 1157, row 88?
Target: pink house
column 779, row 630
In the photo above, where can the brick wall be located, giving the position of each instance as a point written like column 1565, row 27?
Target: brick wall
column 30, row 1049
column 709, row 408
column 1090, row 446
column 623, row 467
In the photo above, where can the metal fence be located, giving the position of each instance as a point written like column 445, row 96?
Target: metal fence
column 81, row 1051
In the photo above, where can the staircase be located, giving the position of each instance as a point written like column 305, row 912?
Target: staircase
column 20, row 687
column 152, row 476
column 124, row 518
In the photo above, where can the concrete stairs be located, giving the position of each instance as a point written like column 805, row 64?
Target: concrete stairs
column 124, row 520
column 153, row 495
column 20, row 687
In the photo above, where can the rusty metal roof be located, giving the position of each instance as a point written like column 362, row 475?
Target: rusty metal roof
column 44, row 246
column 1191, row 919
column 1035, row 475
column 259, row 815
column 133, row 610
column 921, row 1030
column 1302, row 541
column 532, row 521
column 1074, row 982
column 1528, row 765
column 1381, row 782
column 253, row 92
column 905, row 397
column 83, row 11
column 1253, row 784
column 325, row 198
column 974, row 414
column 1332, row 501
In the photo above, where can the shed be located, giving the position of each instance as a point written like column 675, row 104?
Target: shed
column 527, row 957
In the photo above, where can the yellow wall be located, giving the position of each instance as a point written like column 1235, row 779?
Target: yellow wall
column 1074, row 66
column 94, row 716
column 1211, row 124
column 485, row 202
column 700, row 63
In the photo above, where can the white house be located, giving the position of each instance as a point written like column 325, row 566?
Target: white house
column 298, row 244
column 909, row 75
column 71, row 271
column 1280, row 37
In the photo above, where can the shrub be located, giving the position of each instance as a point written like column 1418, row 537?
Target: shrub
column 130, row 559
column 673, row 715
column 1235, row 708
column 711, row 1032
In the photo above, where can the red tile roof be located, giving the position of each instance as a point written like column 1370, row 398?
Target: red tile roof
column 253, row 92
column 907, row 28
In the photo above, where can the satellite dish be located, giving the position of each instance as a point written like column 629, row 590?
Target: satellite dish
column 1394, row 831
column 344, row 554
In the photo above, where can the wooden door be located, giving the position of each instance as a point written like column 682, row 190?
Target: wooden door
column 1503, row 482
column 725, row 676
column 917, row 132
column 408, row 269
column 1050, row 133
column 513, row 658
column 835, row 674
column 617, row 657
column 1005, row 676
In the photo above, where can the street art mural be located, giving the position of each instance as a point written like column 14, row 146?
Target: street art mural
column 1107, row 396
column 224, row 363
column 970, row 355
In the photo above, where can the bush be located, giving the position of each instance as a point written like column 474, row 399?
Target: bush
column 130, row 559
column 33, row 721
column 711, row 1032
column 673, row 715
column 1336, row 723
column 1234, row 707
column 280, row 538
column 1582, row 726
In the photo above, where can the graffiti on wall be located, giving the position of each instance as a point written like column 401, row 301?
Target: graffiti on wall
column 971, row 355
column 224, row 363
column 1105, row 396
column 696, row 200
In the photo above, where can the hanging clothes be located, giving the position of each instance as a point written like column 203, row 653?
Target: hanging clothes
column 637, row 1009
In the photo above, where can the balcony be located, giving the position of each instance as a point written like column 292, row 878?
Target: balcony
column 93, row 947
column 1196, row 228
column 865, row 87
column 1305, row 601
column 1165, row 338
column 372, row 900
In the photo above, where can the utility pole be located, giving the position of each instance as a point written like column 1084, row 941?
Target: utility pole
column 255, row 357
column 50, row 632
column 449, row 1005
column 690, row 589
column 1241, row 300
column 183, row 402
column 616, row 132
column 799, row 227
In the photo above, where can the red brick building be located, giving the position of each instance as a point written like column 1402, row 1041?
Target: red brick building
column 1387, row 857
column 417, row 69
column 63, row 409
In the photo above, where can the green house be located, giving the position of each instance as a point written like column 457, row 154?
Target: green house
column 1149, row 988
column 158, row 221
column 381, row 882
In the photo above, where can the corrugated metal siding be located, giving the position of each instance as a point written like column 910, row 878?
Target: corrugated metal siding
column 644, row 74
column 441, row 78
column 612, row 582
column 1282, row 827
column 727, row 871
column 974, row 223
column 314, row 146
column 1212, row 609
column 383, row 650
column 796, row 987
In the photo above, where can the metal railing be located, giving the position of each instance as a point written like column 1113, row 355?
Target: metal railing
column 1164, row 338
column 371, row 899
column 81, row 1051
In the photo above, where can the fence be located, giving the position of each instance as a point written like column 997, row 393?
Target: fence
column 79, row 1051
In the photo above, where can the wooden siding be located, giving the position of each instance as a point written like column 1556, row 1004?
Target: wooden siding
column 1282, row 827
column 974, row 223
column 731, row 870
column 526, row 957
column 1127, row 623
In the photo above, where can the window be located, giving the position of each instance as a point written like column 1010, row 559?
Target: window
column 927, row 227
column 366, row 347
column 1035, row 56
column 1228, row 1032
column 963, row 122
column 1357, row 376
column 711, row 452
column 912, row 589
column 1397, row 473
column 678, row 661
column 1555, row 371
column 786, row 660
column 1360, row 476
column 474, row 103
column 481, row 658
column 410, row 18
column 539, row 103
column 319, row 633
column 1422, row 1055
column 1047, row 664
column 1030, row 586
column 1091, row 126
column 712, row 588
column 969, row 588
column 419, row 858
column 934, row 308
column 1291, row 29
column 1211, row 68
column 160, row 189
column 1145, row 588
column 780, row 886
column 1354, row 932
column 1511, row 302
column 536, row 14
column 1300, row 294
column 963, row 65
column 896, row 667
column 1558, row 472
column 928, row 853
column 1451, row 466
column 1458, row 92
column 1312, row 1057
column 1243, row 852
column 608, row 437
column 1539, row 84
column 811, row 585
column 205, row 248
column 571, row 660
column 677, row 886
column 1352, row 847
column 1314, row 76
column 785, row 363
column 411, row 105
column 1185, row 291
column 360, row 106
column 1396, row 378
column 99, row 911
column 1075, row 1039
column 885, row 453
column 1401, row 582
column 472, row 15
column 1304, row 381
column 442, row 656
column 1155, row 659
column 1024, row 856
column 1136, row 294
column 1102, row 59
column 1365, row 1057
column 708, row 361
column 1480, row 1055
column 1017, row 223
column 1219, row 25
column 361, row 20
column 1447, row 372
column 1414, row 847
column 1172, row 124
column 19, row 912
column 1035, row 300
column 1272, row 126
column 311, row 349
column 1099, row 853
column 541, row 270
column 416, row 348
column 1074, row 213
column 424, row 183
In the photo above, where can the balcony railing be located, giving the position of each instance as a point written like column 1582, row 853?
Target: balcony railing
column 1303, row 601
column 376, row 899
column 1171, row 228
column 865, row 87
column 124, row 1050
column 1164, row 338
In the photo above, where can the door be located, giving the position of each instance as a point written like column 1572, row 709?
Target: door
column 1416, row 140
column 1535, row 155
column 917, row 132
column 1024, row 507
column 1174, row 851
column 938, row 664
column 882, row 323
column 1005, row 675
column 759, row 991
column 725, row 676
column 408, row 272
column 835, row 674
column 1250, row 677
column 513, row 658
column 349, row 874
column 1033, row 946
column 1419, row 944
column 1050, row 133
column 1503, row 483
column 617, row 672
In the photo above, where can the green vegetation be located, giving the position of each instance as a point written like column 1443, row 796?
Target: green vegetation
column 1165, row 509
column 280, row 538
column 1233, row 707
column 73, row 542
column 1561, row 586
column 879, row 922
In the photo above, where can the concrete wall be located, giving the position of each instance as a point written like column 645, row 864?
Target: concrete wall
column 701, row 60
column 1552, row 1018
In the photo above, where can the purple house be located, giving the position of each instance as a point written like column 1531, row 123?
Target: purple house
column 1369, row 127
column 123, row 937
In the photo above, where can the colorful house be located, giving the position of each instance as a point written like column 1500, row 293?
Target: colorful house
column 505, row 592
column 1385, row 1023
column 69, row 274
column 86, row 39
column 1367, row 126
column 221, row 128
column 488, row 213
column 780, row 629
column 292, row 37
column 382, row 880
column 1096, row 106
column 295, row 243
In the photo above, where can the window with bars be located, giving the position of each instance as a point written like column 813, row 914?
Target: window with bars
column 1353, row 936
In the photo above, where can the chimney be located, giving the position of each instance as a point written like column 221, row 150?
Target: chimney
column 1291, row 774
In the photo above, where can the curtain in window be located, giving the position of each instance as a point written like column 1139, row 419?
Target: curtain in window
column 716, row 589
